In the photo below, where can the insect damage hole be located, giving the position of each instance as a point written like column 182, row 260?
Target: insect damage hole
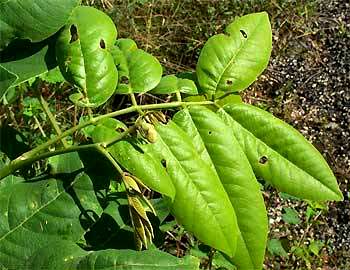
column 244, row 34
column 163, row 161
column 121, row 130
column 102, row 44
column 73, row 33
column 124, row 80
column 263, row 160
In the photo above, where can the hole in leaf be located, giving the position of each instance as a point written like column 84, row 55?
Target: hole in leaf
column 263, row 160
column 209, row 132
column 124, row 80
column 73, row 33
column 244, row 34
column 229, row 82
column 102, row 44
column 163, row 161
column 120, row 129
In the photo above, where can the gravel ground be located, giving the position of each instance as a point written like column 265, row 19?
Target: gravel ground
column 309, row 87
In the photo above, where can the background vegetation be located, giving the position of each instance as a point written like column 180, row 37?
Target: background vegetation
column 307, row 84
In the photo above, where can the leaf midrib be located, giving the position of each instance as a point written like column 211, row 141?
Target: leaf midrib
column 34, row 212
column 237, row 53
column 282, row 156
column 196, row 188
column 213, row 167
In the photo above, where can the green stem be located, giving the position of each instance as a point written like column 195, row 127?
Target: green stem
column 134, row 103
column 52, row 119
column 18, row 163
column 104, row 152
column 178, row 96
column 32, row 154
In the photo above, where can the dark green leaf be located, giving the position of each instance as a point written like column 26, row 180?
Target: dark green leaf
column 275, row 247
column 35, row 20
column 66, row 255
column 65, row 163
column 290, row 216
column 43, row 210
column 24, row 60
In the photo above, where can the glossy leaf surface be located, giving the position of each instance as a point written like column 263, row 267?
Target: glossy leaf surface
column 200, row 195
column 139, row 71
column 171, row 84
column 66, row 255
column 216, row 144
column 280, row 154
column 35, row 20
column 84, row 57
column 232, row 61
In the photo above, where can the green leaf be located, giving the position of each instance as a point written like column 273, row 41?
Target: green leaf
column 142, row 165
column 220, row 260
column 113, row 229
column 222, row 98
column 232, row 61
column 65, row 163
column 33, row 213
column 66, row 255
column 23, row 61
column 139, row 71
column 201, row 203
column 309, row 213
column 107, row 129
column 134, row 160
column 171, row 84
column 280, row 154
column 218, row 147
column 290, row 216
column 35, row 20
column 162, row 208
column 316, row 246
column 84, row 57
column 275, row 247
column 52, row 76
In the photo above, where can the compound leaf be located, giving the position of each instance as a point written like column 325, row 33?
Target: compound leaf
column 232, row 61
column 280, row 154
column 201, row 203
column 84, row 57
